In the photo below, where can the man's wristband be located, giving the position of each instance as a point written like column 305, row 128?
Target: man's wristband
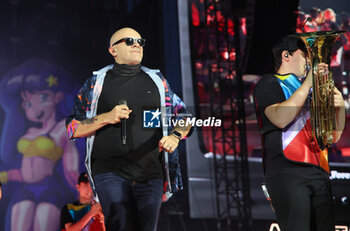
column 176, row 134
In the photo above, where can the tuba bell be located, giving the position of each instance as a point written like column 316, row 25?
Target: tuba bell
column 319, row 46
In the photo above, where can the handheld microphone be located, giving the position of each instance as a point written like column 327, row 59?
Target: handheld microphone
column 308, row 19
column 123, row 122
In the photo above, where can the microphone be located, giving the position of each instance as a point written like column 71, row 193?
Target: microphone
column 123, row 123
column 308, row 19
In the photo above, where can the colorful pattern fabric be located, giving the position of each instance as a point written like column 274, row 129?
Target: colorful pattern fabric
column 78, row 211
column 74, row 212
column 298, row 144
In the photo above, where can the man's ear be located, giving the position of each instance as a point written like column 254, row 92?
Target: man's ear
column 285, row 55
column 112, row 51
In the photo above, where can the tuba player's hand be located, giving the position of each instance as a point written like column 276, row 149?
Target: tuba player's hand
column 338, row 99
column 323, row 69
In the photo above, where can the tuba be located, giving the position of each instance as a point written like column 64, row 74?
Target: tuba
column 319, row 46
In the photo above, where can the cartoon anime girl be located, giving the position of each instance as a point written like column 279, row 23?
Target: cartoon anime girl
column 34, row 145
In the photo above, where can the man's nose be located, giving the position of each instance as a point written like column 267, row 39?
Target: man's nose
column 136, row 44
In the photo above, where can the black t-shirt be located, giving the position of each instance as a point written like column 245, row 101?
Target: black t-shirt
column 71, row 213
column 268, row 92
column 139, row 159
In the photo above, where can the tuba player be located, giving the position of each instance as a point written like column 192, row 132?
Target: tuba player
column 296, row 170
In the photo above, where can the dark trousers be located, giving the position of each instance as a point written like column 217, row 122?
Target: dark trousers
column 129, row 206
column 302, row 204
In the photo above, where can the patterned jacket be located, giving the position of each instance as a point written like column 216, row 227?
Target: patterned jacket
column 85, row 107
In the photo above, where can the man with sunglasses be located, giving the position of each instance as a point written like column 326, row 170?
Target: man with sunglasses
column 130, row 172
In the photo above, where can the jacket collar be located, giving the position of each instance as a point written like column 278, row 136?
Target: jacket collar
column 103, row 70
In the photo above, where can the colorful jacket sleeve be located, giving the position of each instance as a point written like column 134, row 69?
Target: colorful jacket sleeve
column 81, row 105
column 178, row 109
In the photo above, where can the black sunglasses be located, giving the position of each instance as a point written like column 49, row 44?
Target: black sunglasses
column 130, row 41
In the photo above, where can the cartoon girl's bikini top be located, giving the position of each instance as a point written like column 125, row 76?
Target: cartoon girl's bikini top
column 41, row 146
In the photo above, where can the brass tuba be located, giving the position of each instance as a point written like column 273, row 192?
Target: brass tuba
column 319, row 46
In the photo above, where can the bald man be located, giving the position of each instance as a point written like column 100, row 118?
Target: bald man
column 121, row 110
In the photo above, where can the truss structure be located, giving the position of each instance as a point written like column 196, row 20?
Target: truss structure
column 218, row 42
